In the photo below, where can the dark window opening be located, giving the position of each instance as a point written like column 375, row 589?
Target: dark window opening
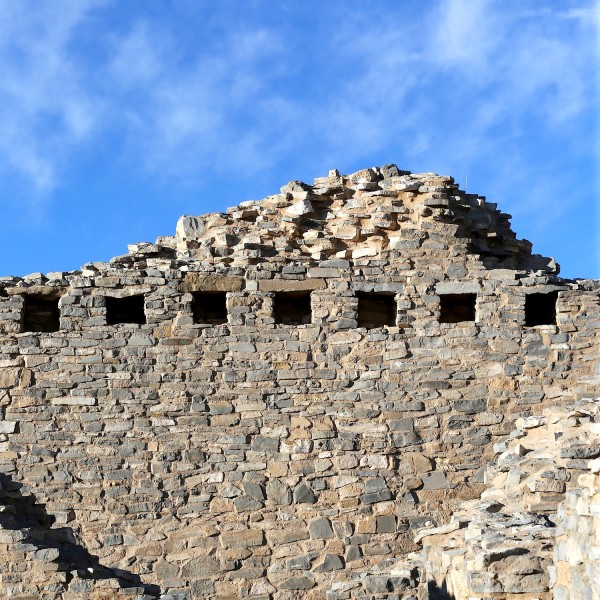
column 292, row 308
column 125, row 310
column 376, row 310
column 456, row 308
column 209, row 307
column 540, row 309
column 41, row 313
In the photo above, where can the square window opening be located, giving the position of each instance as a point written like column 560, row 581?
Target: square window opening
column 209, row 307
column 540, row 309
column 127, row 310
column 292, row 308
column 41, row 313
column 457, row 308
column 376, row 310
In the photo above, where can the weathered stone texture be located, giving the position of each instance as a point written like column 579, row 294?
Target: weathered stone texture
column 533, row 533
column 264, row 453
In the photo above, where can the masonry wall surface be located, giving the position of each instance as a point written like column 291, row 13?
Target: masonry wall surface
column 255, row 459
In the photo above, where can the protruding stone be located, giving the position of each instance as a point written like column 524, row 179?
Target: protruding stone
column 320, row 529
column 304, row 495
column 331, row 562
column 297, row 583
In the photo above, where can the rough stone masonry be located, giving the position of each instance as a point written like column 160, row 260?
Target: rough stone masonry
column 366, row 387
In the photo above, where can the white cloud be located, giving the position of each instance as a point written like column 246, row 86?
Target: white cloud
column 466, row 36
column 45, row 109
column 482, row 74
column 137, row 57
column 453, row 83
column 212, row 110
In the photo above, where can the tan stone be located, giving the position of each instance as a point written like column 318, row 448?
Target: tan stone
column 242, row 538
column 368, row 525
column 202, row 282
column 290, row 285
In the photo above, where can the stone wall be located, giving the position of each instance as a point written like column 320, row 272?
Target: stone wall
column 576, row 573
column 252, row 449
column 533, row 532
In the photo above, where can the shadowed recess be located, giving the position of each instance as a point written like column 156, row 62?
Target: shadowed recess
column 22, row 512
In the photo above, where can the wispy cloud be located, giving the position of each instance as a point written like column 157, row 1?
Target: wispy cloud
column 45, row 109
column 466, row 36
column 482, row 64
column 457, row 79
column 217, row 109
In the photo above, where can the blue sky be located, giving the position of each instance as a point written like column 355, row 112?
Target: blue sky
column 118, row 117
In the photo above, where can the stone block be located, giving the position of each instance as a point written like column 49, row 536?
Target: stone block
column 331, row 562
column 457, row 287
column 435, row 480
column 246, row 503
column 291, row 285
column 320, row 529
column 297, row 583
column 386, row 524
column 209, row 282
column 74, row 401
column 471, row 407
column 298, row 563
column 201, row 568
column 244, row 538
column 303, row 494
column 8, row 426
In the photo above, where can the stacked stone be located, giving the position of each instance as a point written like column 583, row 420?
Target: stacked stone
column 576, row 569
column 361, row 216
column 524, row 534
column 35, row 566
column 254, row 458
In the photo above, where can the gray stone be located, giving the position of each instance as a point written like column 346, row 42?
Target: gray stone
column 405, row 439
column 377, row 584
column 470, row 407
column 375, row 485
column 353, row 553
column 298, row 563
column 200, row 589
column 279, row 493
column 436, row 480
column 304, row 495
column 46, row 554
column 583, row 451
column 405, row 424
column 320, row 529
column 261, row 443
column 297, row 583
column 190, row 227
column 331, row 562
column 201, row 568
column 254, row 490
column 246, row 503
column 386, row 524
column 375, row 497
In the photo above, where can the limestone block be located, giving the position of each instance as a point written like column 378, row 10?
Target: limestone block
column 242, row 538
column 190, row 228
column 290, row 285
column 302, row 206
column 194, row 282
column 457, row 287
